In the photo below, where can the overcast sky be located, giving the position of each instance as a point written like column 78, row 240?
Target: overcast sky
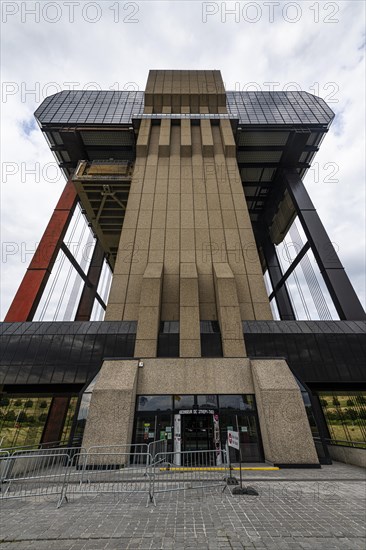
column 49, row 46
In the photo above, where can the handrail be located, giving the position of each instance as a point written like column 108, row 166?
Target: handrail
column 347, row 443
column 50, row 444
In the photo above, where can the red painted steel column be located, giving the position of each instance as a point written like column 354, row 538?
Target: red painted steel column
column 56, row 419
column 30, row 291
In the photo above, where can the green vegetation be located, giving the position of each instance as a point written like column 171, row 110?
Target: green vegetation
column 22, row 419
column 345, row 416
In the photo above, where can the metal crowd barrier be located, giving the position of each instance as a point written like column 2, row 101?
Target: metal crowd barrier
column 13, row 466
column 74, row 471
column 113, row 472
column 41, row 446
column 138, row 451
column 4, row 455
column 189, row 470
column 156, row 448
column 34, row 475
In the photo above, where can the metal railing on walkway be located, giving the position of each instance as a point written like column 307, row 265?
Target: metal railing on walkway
column 34, row 475
column 109, row 472
column 117, row 469
column 189, row 470
column 137, row 451
column 342, row 442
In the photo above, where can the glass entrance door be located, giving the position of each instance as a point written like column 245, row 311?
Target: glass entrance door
column 197, row 432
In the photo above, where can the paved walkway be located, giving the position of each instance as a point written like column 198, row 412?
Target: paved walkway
column 296, row 509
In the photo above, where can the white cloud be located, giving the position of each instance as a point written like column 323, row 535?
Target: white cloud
column 172, row 35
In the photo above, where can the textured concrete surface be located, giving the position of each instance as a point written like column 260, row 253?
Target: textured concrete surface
column 296, row 509
column 112, row 405
column 195, row 376
column 285, row 429
column 187, row 206
column 149, row 311
column 228, row 310
column 348, row 455
column 189, row 312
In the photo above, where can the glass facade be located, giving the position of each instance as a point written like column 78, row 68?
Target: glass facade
column 82, row 413
column 107, row 107
column 91, row 107
column 67, row 352
column 345, row 415
column 278, row 108
column 23, row 419
column 156, row 414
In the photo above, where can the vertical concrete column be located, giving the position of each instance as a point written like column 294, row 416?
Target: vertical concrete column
column 158, row 92
column 210, row 236
column 228, row 311
column 146, row 239
column 285, row 429
column 227, row 137
column 149, row 311
column 112, row 406
column 181, row 99
column 195, row 90
column 233, row 251
column 143, row 139
column 170, row 299
column 164, row 138
column 253, row 298
column 189, row 328
column 149, row 90
column 185, row 138
column 202, row 232
column 129, row 256
column 206, row 136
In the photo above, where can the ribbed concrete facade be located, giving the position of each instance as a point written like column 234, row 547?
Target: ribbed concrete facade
column 187, row 253
column 187, row 216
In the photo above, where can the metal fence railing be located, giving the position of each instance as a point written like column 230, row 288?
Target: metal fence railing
column 146, row 469
column 109, row 472
column 191, row 470
column 41, row 446
column 14, row 466
column 156, row 448
column 342, row 443
column 34, row 475
column 137, row 451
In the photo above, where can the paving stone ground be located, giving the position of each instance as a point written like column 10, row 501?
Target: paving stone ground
column 295, row 509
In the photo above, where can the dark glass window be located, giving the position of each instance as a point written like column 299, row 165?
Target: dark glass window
column 168, row 341
column 183, row 401
column 237, row 402
column 345, row 414
column 169, row 327
column 210, row 339
column 154, row 403
column 23, row 418
column 207, row 401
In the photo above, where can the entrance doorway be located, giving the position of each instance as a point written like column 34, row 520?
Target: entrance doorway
column 197, row 432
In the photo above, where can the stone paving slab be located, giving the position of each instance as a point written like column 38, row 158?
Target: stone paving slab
column 301, row 510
